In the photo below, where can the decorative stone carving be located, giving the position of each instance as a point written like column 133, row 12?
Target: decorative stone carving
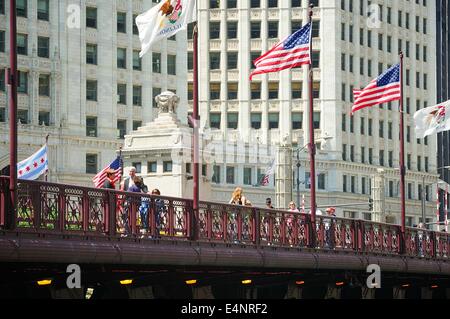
column 167, row 102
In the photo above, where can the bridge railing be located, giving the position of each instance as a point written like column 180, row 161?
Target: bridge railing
column 66, row 209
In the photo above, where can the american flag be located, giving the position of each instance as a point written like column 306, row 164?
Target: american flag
column 292, row 52
column 269, row 171
column 100, row 178
column 383, row 89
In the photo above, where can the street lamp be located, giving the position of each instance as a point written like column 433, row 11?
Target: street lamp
column 321, row 139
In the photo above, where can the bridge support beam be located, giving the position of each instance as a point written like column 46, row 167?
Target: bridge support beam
column 204, row 292
column 367, row 293
column 294, row 292
column 398, row 293
column 333, row 292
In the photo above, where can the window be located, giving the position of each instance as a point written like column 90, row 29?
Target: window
column 255, row 90
column 91, row 90
column 390, row 130
column 247, row 176
column 307, row 180
column 91, row 53
column 255, row 3
column 122, row 93
column 232, row 90
column 214, row 120
column 390, row 159
column 400, row 22
column 316, row 119
column 121, row 131
column 321, row 181
column 425, row 82
column 231, row 4
column 137, row 62
column 419, row 192
column 135, row 28
column 43, row 10
column 122, row 22
column 315, row 29
column 417, row 52
column 426, row 164
column 316, row 59
column 361, row 36
column 232, row 121
column 344, row 123
column 256, row 119
column 155, row 92
column 424, row 54
column 369, row 39
column 167, row 166
column 22, row 115
column 214, row 60
column 296, row 90
column 370, row 156
column 137, row 95
column 214, row 4
column 253, row 56
column 190, row 30
column 408, row 134
column 122, row 58
column 232, row 29
column 380, row 42
column 381, row 154
column 408, row 105
column 272, row 28
column 353, row 184
column 156, row 62
column 344, row 152
column 91, row 163
column 407, row 77
column 136, row 125
column 369, row 67
column 352, row 121
column 343, row 31
column 419, row 163
column 408, row 162
column 190, row 61
column 344, row 183
column 410, row 195
column 352, row 153
column 91, row 126
column 214, row 91
column 363, row 155
column 418, row 80
column 214, row 30
column 296, row 25
column 255, row 30
column 381, row 129
column 273, row 90
column 297, row 119
column 2, row 6
column 424, row 26
column 427, row 193
column 389, row 43
column 362, row 126
column 230, row 175
column 350, row 33
column 44, row 118
column 171, row 64
column 2, row 41
column 91, row 17
column 389, row 15
column 316, row 90
column 407, row 49
column 370, row 127
column 272, row 3
column 21, row 8
column 43, row 47
column 22, row 44
column 216, row 174
column 391, row 188
column 296, row 3
column 361, row 66
column 23, row 82
column 273, row 120
column 350, row 63
column 343, row 61
column 152, row 167
column 2, row 80
column 44, row 85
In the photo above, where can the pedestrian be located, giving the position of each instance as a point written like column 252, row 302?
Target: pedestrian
column 129, row 181
column 134, row 188
column 293, row 208
column 331, row 211
column 329, row 227
column 109, row 182
column 159, row 211
column 238, row 198
column 269, row 203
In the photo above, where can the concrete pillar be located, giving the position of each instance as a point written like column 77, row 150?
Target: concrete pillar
column 283, row 181
column 202, row 292
column 399, row 293
column 251, row 293
column 378, row 195
column 367, row 293
column 140, row 292
column 294, row 292
column 333, row 292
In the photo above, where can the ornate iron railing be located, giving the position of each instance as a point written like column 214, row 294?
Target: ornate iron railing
column 66, row 209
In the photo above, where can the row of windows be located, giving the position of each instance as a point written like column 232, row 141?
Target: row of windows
column 390, row 160
column 255, row 87
column 43, row 45
column 232, row 4
column 92, row 128
column 92, row 92
column 44, row 83
column 22, row 116
column 92, row 58
column 42, row 13
column 381, row 42
column 365, row 9
column 351, row 128
column 256, row 120
column 255, row 29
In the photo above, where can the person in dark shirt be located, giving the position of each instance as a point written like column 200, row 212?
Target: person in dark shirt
column 109, row 181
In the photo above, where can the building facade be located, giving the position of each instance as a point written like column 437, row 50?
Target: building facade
column 82, row 81
column 353, row 42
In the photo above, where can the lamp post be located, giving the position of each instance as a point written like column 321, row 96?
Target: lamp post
column 321, row 139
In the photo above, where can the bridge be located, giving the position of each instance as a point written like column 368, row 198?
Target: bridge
column 161, row 242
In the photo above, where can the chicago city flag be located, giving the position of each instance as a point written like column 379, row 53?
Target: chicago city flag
column 164, row 20
column 34, row 166
column 433, row 119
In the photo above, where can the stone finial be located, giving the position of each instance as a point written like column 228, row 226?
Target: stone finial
column 167, row 102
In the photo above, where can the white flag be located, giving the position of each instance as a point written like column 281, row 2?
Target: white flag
column 164, row 20
column 433, row 119
column 34, row 166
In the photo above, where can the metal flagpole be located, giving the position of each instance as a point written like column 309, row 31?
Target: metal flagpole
column 311, row 145
column 402, row 155
column 46, row 143
column 12, row 82
column 438, row 206
column 121, row 164
column 446, row 208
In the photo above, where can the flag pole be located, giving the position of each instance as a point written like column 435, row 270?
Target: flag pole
column 46, row 143
column 402, row 155
column 195, row 124
column 12, row 82
column 311, row 145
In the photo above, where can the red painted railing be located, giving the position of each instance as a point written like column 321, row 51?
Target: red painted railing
column 66, row 209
